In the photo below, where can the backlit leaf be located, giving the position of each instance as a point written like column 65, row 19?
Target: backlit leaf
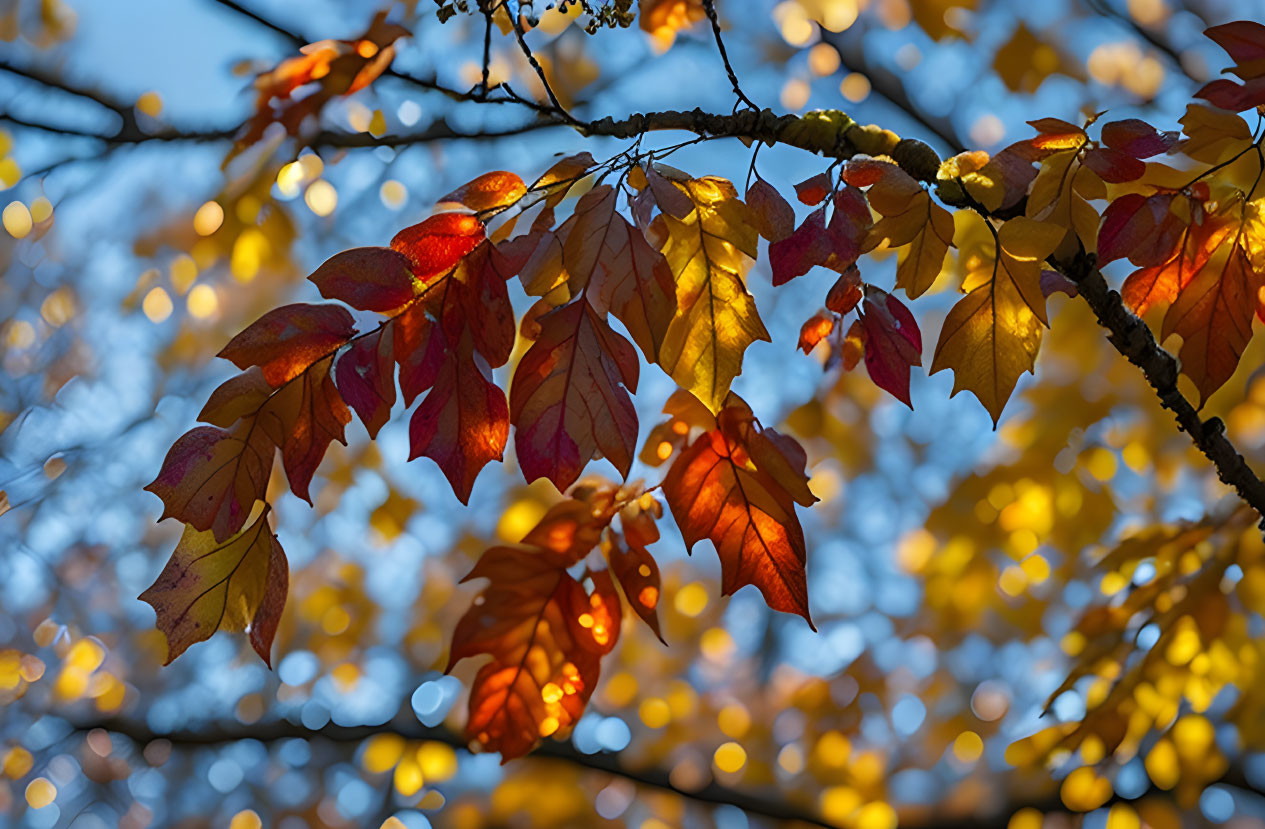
column 212, row 477
column 463, row 423
column 737, row 486
column 286, row 340
column 992, row 335
column 238, row 584
column 369, row 279
column 716, row 319
column 569, row 400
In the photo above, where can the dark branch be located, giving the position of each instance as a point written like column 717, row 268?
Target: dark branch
column 710, row 7
column 994, row 815
column 1133, row 339
column 713, row 793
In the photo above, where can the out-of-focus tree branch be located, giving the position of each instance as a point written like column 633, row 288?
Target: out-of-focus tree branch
column 712, row 794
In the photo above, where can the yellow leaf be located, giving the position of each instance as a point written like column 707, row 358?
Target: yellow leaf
column 708, row 252
column 234, row 585
column 992, row 335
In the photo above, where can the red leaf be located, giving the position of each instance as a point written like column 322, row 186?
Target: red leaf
column 815, row 329
column 892, row 342
column 814, row 190
column 1213, row 315
column 435, row 245
column 1115, row 166
column 569, row 399
column 485, row 303
column 464, row 421
column 286, row 340
column 798, row 253
column 1229, row 95
column 1143, row 228
column 1138, row 138
column 771, row 214
column 737, row 486
column 1162, row 282
column 420, row 349
column 212, row 477
column 303, row 418
column 365, row 375
column 1244, row 40
column 368, row 279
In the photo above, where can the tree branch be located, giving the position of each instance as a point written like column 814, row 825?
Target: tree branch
column 1133, row 339
column 710, row 7
column 712, row 794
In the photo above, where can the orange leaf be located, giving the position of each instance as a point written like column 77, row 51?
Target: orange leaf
column 437, row 244
column 368, row 279
column 286, row 340
column 491, row 191
column 737, row 486
column 1213, row 315
column 544, row 632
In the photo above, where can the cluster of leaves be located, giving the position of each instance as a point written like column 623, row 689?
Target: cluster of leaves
column 323, row 71
column 674, row 280
column 665, row 254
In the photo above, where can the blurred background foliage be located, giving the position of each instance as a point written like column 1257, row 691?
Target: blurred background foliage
column 1054, row 623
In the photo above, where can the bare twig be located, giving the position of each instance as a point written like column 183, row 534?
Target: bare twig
column 710, row 7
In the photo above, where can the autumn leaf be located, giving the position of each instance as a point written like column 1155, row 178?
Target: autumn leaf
column 909, row 217
column 303, row 418
column 569, row 400
column 237, row 584
column 558, row 180
column 813, row 191
column 597, row 250
column 336, row 67
column 1213, row 315
column 365, row 376
column 991, row 335
column 771, row 214
column 1179, row 259
column 544, row 632
column 435, row 245
column 844, row 295
column 1213, row 135
column 489, row 192
column 212, row 477
column 1138, row 138
column 463, row 422
column 893, row 342
column 716, row 319
column 737, row 485
column 286, row 340
column 540, row 678
column 815, row 329
column 631, row 563
column 1244, row 40
column 368, row 279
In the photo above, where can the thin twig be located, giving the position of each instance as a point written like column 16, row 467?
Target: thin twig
column 710, row 7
